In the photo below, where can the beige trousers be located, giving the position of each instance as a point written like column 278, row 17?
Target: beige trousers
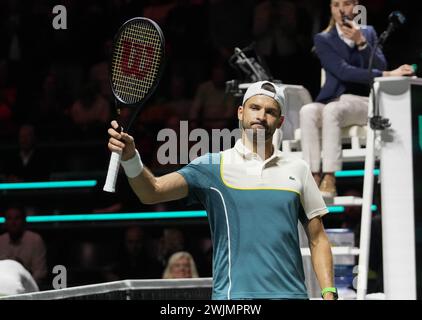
column 330, row 119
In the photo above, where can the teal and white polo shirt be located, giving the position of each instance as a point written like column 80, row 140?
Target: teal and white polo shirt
column 253, row 210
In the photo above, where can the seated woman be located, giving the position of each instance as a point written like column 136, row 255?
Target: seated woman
column 180, row 265
column 344, row 50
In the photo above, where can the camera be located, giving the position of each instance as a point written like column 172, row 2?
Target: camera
column 345, row 20
column 250, row 68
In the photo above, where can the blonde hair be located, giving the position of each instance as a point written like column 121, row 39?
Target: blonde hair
column 330, row 25
column 176, row 256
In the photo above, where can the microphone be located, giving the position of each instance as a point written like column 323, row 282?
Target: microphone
column 396, row 19
column 377, row 122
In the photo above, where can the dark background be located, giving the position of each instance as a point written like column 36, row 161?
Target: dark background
column 44, row 72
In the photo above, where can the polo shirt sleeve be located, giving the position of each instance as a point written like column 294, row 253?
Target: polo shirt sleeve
column 196, row 176
column 311, row 198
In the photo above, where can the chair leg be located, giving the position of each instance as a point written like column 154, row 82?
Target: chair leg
column 355, row 143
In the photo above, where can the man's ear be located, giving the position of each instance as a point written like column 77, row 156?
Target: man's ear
column 240, row 113
column 280, row 122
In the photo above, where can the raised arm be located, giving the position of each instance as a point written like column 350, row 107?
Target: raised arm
column 147, row 187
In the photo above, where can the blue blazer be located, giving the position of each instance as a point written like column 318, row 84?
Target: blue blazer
column 343, row 64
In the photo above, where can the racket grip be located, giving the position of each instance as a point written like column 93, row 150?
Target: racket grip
column 113, row 171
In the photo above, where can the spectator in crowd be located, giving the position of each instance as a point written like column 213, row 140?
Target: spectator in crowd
column 158, row 10
column 344, row 49
column 187, row 38
column 99, row 72
column 178, row 104
column 86, row 267
column 22, row 245
column 51, row 109
column 230, row 24
column 167, row 115
column 276, row 34
column 204, row 257
column 212, row 107
column 28, row 163
column 180, row 266
column 133, row 261
column 7, row 101
column 172, row 240
column 91, row 108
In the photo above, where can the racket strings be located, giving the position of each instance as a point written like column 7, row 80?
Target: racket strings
column 131, row 53
column 125, row 52
column 134, row 82
column 136, row 61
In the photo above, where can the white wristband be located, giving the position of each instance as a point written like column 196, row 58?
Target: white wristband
column 134, row 166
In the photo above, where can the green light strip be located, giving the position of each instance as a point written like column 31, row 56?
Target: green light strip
column 115, row 216
column 353, row 173
column 93, row 183
column 48, row 185
column 335, row 209
column 119, row 216
column 340, row 209
column 420, row 132
column 135, row 216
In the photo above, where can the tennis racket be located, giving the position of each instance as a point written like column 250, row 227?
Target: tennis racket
column 136, row 66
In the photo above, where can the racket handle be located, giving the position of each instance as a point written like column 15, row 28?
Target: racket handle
column 113, row 171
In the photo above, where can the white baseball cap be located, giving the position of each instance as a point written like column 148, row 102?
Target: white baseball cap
column 256, row 88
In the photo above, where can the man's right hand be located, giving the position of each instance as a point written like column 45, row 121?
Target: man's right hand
column 121, row 142
column 404, row 70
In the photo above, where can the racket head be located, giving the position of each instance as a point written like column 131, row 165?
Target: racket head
column 137, row 61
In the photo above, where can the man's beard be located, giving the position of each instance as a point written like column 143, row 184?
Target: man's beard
column 257, row 134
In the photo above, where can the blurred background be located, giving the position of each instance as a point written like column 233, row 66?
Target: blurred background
column 56, row 105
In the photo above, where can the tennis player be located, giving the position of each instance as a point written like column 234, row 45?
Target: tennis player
column 254, row 198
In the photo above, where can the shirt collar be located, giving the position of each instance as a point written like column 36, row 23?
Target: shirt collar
column 349, row 42
column 248, row 154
